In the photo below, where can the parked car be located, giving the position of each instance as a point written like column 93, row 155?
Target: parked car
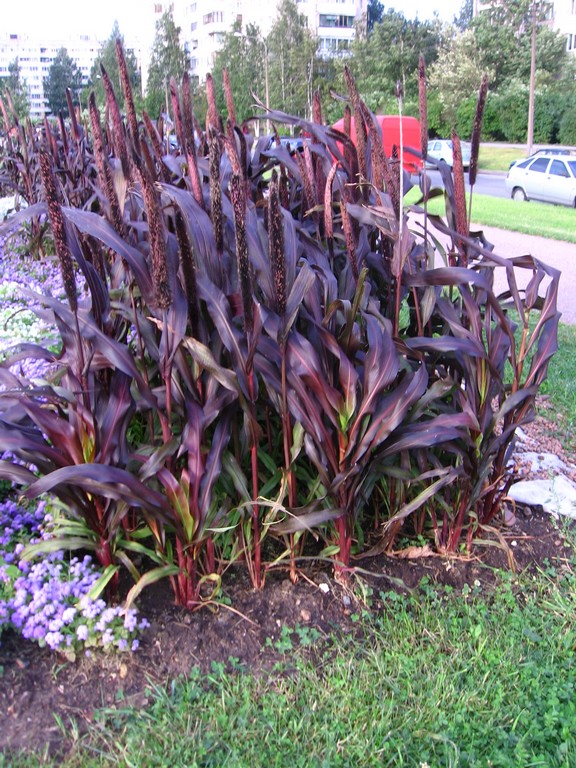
column 547, row 177
column 441, row 149
column 291, row 143
column 539, row 152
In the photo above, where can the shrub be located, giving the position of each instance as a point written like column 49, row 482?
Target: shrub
column 567, row 129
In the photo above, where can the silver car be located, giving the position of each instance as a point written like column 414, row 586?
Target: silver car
column 441, row 149
column 549, row 178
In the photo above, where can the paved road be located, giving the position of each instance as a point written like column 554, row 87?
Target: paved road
column 492, row 184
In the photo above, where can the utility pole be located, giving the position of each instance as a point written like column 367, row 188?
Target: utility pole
column 530, row 137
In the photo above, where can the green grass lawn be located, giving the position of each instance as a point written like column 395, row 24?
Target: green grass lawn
column 493, row 157
column 560, row 386
column 556, row 222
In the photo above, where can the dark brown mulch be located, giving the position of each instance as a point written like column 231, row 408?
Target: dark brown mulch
column 35, row 686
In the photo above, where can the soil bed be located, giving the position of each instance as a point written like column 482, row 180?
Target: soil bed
column 36, row 685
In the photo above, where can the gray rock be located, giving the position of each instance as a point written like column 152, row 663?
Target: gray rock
column 556, row 495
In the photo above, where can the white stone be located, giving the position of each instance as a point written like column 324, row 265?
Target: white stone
column 542, row 462
column 557, row 495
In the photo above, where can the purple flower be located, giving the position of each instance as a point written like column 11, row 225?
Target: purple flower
column 51, row 592
column 108, row 637
column 55, row 625
column 54, row 639
column 68, row 615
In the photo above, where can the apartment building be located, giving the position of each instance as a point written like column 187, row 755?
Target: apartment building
column 334, row 22
column 565, row 21
column 205, row 22
column 35, row 58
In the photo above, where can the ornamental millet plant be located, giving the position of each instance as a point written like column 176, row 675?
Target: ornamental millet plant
column 253, row 340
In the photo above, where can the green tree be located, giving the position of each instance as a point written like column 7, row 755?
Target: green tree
column 456, row 74
column 375, row 14
column 243, row 55
column 107, row 58
column 567, row 128
column 292, row 63
column 168, row 59
column 16, row 84
column 462, row 21
column 390, row 53
column 63, row 73
column 503, row 35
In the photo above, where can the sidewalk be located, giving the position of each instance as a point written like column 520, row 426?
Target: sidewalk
column 554, row 253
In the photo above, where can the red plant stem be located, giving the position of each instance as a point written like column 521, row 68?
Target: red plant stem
column 457, row 525
column 210, row 555
column 105, row 557
column 287, row 434
column 257, row 554
column 287, row 441
column 342, row 527
column 187, row 586
column 397, row 303
column 344, row 541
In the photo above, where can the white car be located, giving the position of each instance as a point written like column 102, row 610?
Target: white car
column 549, row 178
column 441, row 149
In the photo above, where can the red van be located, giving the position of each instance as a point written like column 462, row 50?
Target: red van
column 390, row 127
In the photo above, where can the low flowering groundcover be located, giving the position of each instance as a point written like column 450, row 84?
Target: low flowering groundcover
column 18, row 323
column 53, row 599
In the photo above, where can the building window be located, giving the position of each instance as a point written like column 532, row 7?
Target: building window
column 157, row 7
column 338, row 21
column 193, row 26
column 214, row 16
column 332, row 45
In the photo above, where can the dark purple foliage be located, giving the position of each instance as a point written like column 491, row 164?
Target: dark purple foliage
column 249, row 362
